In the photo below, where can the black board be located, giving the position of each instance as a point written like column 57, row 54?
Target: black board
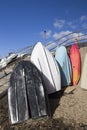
column 27, row 97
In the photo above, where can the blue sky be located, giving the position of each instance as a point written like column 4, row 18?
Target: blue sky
column 22, row 22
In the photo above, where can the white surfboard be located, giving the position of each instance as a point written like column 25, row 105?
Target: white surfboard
column 84, row 74
column 48, row 67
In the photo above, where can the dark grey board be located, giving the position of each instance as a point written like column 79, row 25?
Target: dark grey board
column 27, row 97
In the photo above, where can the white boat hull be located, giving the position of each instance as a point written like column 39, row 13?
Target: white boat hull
column 48, row 67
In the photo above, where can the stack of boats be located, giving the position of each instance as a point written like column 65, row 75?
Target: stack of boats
column 5, row 61
column 32, row 81
column 61, row 70
column 10, row 58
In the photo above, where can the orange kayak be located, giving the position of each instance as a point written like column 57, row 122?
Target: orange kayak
column 75, row 62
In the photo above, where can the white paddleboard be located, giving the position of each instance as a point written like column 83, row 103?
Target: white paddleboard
column 48, row 67
column 84, row 74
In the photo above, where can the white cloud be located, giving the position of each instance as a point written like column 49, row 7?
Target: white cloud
column 71, row 25
column 83, row 21
column 75, row 24
column 83, row 18
column 47, row 34
column 59, row 23
column 61, row 34
column 56, row 35
column 66, row 37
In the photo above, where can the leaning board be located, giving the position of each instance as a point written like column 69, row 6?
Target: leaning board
column 47, row 65
column 64, row 65
column 84, row 74
column 26, row 94
column 75, row 62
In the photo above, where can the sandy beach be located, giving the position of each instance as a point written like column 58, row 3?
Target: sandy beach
column 68, row 112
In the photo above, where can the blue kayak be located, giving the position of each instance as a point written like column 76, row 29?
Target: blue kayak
column 64, row 64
